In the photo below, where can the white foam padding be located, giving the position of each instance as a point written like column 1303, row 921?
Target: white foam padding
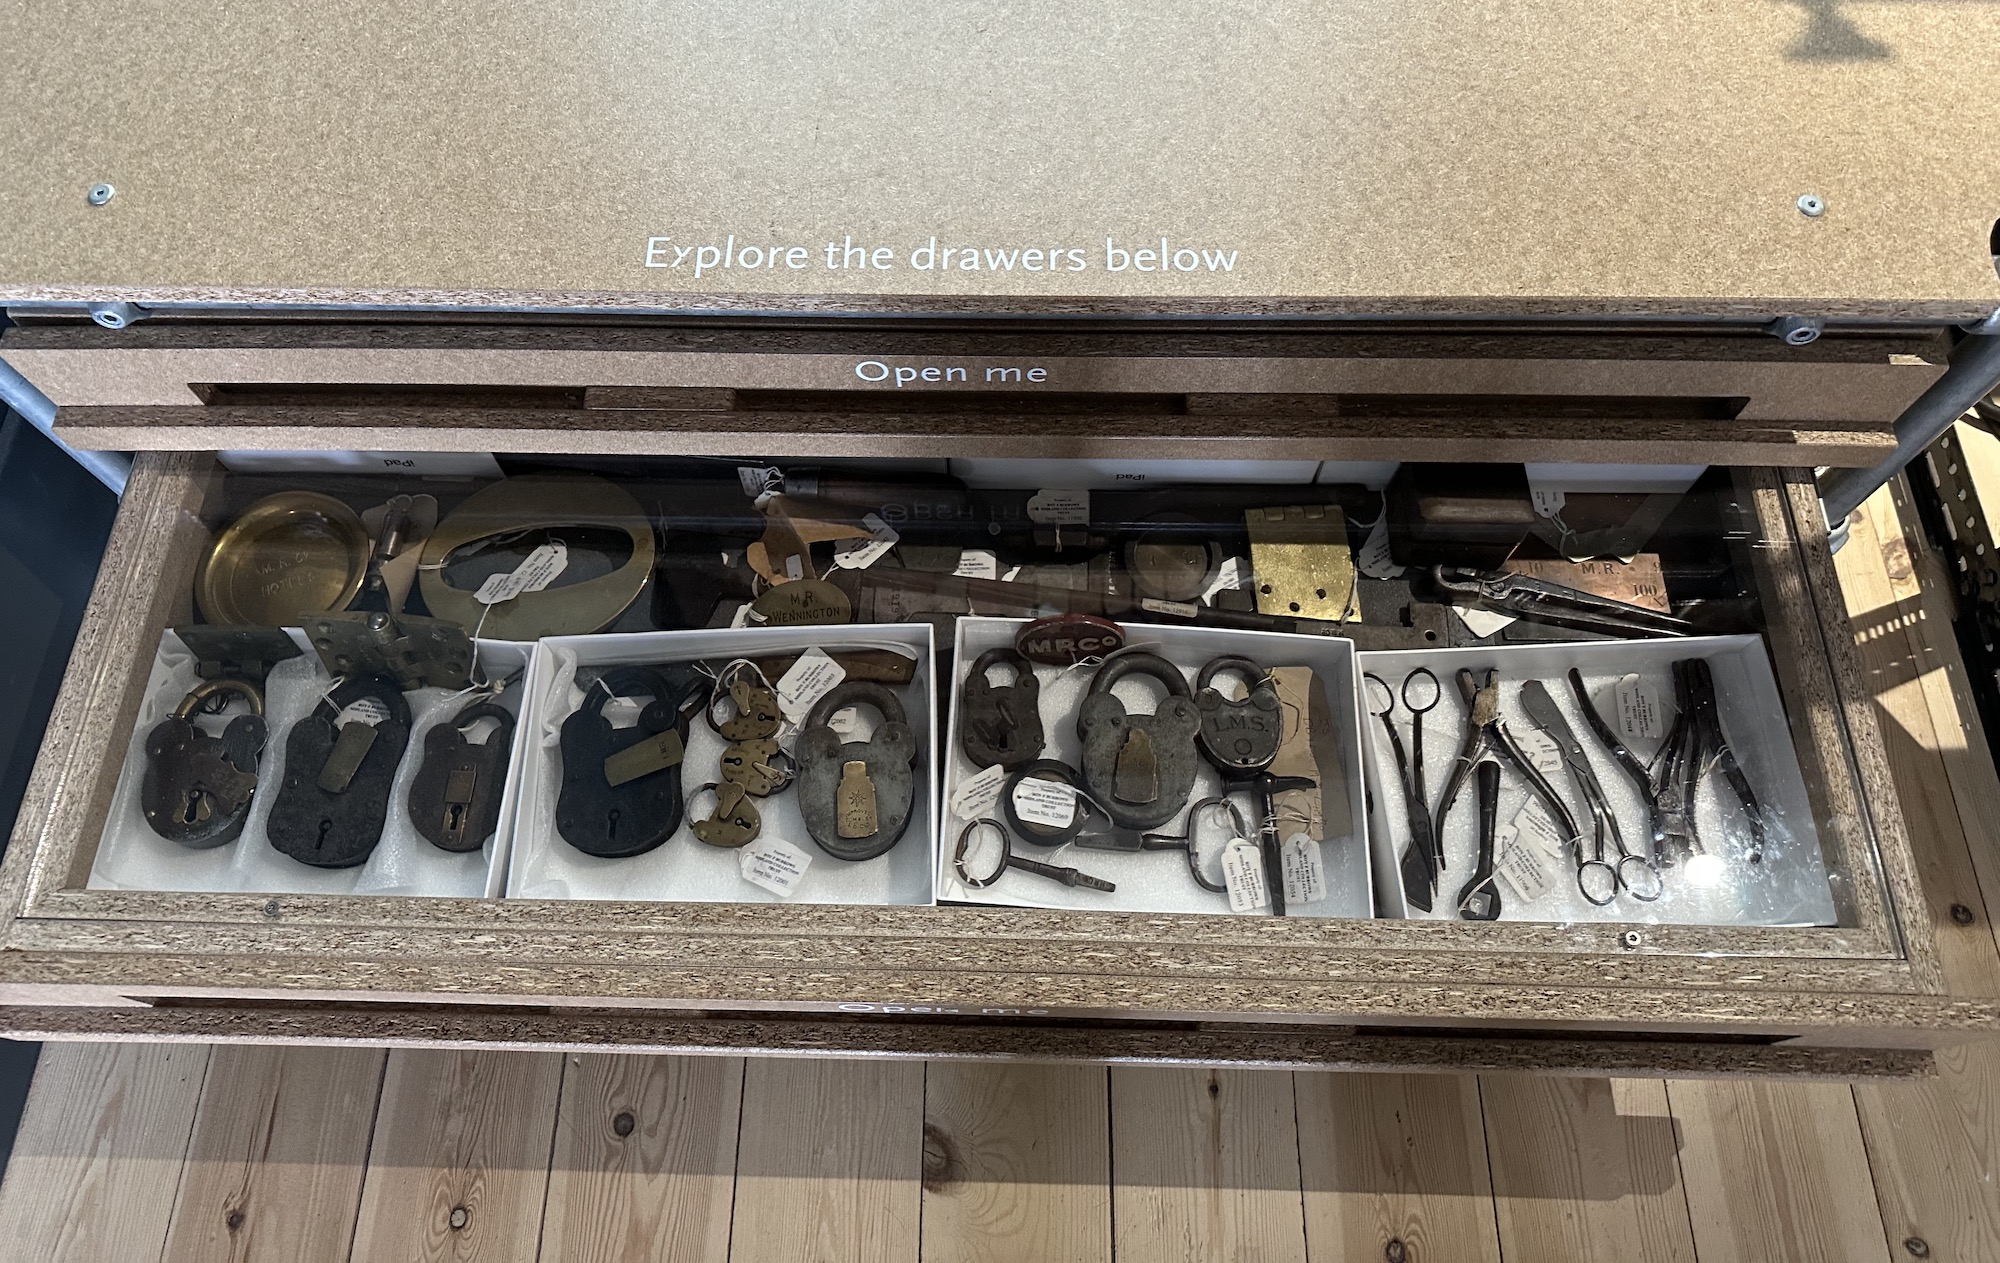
column 1787, row 887
column 1158, row 881
column 130, row 856
column 683, row 868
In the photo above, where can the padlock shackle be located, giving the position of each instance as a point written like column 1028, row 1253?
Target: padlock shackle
column 1143, row 662
column 1002, row 656
column 1251, row 673
column 857, row 693
column 201, row 692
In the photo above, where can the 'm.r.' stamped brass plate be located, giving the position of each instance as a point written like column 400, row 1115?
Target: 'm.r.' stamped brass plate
column 530, row 502
column 286, row 556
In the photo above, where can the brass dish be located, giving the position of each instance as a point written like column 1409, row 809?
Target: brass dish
column 286, row 556
column 540, row 501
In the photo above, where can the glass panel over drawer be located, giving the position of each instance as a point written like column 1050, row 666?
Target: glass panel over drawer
column 1543, row 694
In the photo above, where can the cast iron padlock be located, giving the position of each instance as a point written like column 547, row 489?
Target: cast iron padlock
column 455, row 798
column 197, row 788
column 735, row 821
column 1240, row 737
column 1000, row 723
column 335, row 796
column 856, row 796
column 637, row 814
column 1139, row 768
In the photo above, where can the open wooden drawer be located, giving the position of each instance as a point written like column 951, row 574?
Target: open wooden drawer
column 1861, row 996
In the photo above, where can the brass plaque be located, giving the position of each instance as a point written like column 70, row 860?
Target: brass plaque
column 1303, row 563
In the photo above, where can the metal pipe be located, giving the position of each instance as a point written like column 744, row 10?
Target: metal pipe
column 1973, row 373
column 111, row 468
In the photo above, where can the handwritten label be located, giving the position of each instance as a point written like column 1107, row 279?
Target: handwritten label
column 1243, row 876
column 812, row 677
column 1178, row 609
column 1522, row 868
column 1059, row 508
column 1373, row 559
column 1540, row 747
column 1639, row 714
column 1533, row 824
column 537, row 572
column 363, row 710
column 859, row 554
column 977, row 563
column 976, row 795
column 774, row 864
column 1549, row 501
column 1305, row 869
column 1051, row 804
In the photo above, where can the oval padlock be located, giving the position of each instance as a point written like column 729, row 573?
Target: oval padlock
column 1000, row 723
column 1139, row 768
column 455, row 795
column 340, row 768
column 734, row 822
column 1239, row 737
column 621, row 787
column 197, row 787
column 856, row 796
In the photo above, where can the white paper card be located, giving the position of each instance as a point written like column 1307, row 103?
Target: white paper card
column 774, row 864
column 1482, row 622
column 1043, row 802
column 1540, row 747
column 977, row 563
column 532, row 575
column 976, row 795
column 1232, row 576
column 1374, row 560
column 757, row 479
column 846, row 724
column 1533, row 825
column 1179, row 609
column 1243, row 875
column 363, row 710
column 1059, row 508
column 623, row 712
column 795, row 569
column 1521, row 867
column 1639, row 713
column 812, row 677
column 859, row 554
column 1549, row 501
column 1305, row 869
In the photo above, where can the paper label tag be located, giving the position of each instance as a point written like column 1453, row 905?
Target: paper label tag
column 1048, row 803
column 757, row 479
column 859, row 554
column 1179, row 609
column 846, row 724
column 1243, row 874
column 1373, row 559
column 537, row 572
column 1013, row 573
column 1549, row 501
column 1232, row 576
column 1305, row 869
column 795, row 569
column 741, row 618
column 811, row 678
column 1533, row 825
column 1639, row 715
column 1540, row 747
column 976, row 795
column 977, row 563
column 362, row 710
column 774, row 864
column 1482, row 622
column 1059, row 508
column 1521, row 867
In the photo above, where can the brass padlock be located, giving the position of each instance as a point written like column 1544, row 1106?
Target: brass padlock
column 734, row 822
column 757, row 713
column 761, row 767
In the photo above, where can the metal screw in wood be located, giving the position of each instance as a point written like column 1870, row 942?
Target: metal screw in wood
column 99, row 194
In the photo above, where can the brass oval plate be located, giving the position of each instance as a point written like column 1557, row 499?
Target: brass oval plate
column 801, row 602
column 540, row 501
column 285, row 557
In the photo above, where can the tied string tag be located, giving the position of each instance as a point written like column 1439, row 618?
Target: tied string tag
column 538, row 571
column 1640, row 717
column 1243, row 876
column 812, row 677
column 859, row 554
column 976, row 795
column 1305, row 869
column 774, row 864
column 1051, row 804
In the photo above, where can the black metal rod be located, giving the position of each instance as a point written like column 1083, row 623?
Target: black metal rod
column 1973, row 373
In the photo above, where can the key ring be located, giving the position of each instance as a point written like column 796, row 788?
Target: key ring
column 1188, row 842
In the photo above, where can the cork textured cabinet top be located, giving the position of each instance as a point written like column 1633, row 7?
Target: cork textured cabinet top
column 1365, row 156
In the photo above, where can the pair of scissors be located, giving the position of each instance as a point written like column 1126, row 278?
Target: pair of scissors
column 1599, row 880
column 1423, row 859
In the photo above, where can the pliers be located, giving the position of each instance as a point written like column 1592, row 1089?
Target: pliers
column 1484, row 731
column 1541, row 601
column 1694, row 744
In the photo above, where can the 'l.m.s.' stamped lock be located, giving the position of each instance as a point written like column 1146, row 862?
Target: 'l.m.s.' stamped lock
column 1000, row 723
column 1240, row 737
column 197, row 787
column 1139, row 768
column 340, row 768
column 856, row 796
column 455, row 796
column 621, row 787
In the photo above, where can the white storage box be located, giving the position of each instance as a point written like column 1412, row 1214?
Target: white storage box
column 1787, row 886
column 131, row 856
column 683, row 868
column 1159, row 881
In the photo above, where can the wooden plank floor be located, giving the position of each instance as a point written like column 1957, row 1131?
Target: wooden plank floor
column 134, row 1152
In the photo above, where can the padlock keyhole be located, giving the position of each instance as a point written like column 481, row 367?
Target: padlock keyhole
column 195, row 809
column 325, row 827
column 611, row 825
